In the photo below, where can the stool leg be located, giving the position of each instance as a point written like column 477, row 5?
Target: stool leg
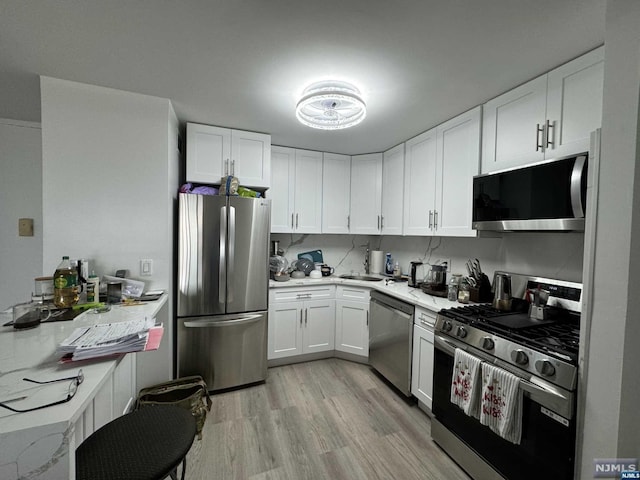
column 184, row 466
column 174, row 474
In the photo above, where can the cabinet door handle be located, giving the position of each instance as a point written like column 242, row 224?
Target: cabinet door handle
column 550, row 125
column 539, row 138
column 292, row 221
column 306, row 315
column 381, row 222
column 435, row 219
column 300, row 317
column 348, row 222
column 367, row 318
column 296, row 220
column 430, row 218
column 378, row 222
column 226, row 167
column 233, row 167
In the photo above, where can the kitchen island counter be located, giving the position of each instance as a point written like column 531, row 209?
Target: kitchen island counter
column 41, row 444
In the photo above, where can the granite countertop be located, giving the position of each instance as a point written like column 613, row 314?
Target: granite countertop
column 399, row 290
column 31, row 353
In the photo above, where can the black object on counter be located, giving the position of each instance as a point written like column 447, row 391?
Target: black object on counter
column 28, row 320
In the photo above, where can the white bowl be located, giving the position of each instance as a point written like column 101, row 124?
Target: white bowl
column 315, row 274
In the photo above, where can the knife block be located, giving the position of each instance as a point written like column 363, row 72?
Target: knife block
column 482, row 293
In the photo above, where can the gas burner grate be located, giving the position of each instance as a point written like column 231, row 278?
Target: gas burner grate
column 559, row 335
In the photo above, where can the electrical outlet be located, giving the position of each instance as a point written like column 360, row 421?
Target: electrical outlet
column 440, row 261
column 146, row 267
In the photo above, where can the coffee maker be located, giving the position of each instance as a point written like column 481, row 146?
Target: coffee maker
column 413, row 275
column 436, row 279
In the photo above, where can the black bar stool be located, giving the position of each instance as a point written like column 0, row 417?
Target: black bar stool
column 148, row 444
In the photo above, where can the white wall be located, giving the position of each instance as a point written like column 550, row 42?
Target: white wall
column 611, row 420
column 20, row 197
column 109, row 186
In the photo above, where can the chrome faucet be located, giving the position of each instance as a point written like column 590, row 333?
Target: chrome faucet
column 366, row 258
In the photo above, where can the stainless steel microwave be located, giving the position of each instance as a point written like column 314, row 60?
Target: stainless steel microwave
column 550, row 195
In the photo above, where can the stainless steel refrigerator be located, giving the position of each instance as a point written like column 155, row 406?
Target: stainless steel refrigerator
column 223, row 289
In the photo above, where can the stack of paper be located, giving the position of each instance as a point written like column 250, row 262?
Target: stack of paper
column 109, row 339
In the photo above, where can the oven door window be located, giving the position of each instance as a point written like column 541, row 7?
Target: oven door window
column 547, row 446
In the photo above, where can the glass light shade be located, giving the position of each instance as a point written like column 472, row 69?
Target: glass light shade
column 331, row 105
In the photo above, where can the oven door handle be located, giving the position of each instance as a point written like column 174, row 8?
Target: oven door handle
column 547, row 395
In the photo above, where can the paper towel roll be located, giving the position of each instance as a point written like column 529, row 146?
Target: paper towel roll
column 376, row 262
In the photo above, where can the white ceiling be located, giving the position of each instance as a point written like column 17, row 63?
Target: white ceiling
column 242, row 63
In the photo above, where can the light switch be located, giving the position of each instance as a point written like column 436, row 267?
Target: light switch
column 25, row 227
column 146, row 267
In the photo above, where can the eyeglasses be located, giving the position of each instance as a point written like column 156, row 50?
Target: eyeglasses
column 73, row 388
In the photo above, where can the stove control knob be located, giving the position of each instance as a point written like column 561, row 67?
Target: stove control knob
column 487, row 343
column 461, row 332
column 546, row 368
column 520, row 357
column 446, row 326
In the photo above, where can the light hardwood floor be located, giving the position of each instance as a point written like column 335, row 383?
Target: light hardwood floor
column 327, row 419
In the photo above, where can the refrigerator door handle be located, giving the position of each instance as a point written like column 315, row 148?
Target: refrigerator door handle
column 223, row 323
column 223, row 256
column 232, row 251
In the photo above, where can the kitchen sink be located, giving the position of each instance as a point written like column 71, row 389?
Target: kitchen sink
column 366, row 278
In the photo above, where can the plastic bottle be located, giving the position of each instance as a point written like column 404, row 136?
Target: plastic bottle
column 388, row 266
column 93, row 288
column 65, row 285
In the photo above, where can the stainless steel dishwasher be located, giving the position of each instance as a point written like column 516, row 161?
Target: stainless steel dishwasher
column 391, row 339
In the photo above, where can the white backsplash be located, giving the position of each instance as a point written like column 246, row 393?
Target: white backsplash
column 554, row 255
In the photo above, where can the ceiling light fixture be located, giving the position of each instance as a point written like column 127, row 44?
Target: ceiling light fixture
column 331, row 105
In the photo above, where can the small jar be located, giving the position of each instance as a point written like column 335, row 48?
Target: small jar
column 452, row 290
column 397, row 273
column 463, row 291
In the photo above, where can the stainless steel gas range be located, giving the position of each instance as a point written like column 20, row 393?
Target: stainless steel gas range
column 539, row 346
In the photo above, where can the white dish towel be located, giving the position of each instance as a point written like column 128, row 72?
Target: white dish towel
column 501, row 403
column 465, row 382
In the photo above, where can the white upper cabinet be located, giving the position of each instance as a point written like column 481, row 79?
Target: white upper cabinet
column 574, row 104
column 251, row 158
column 208, row 152
column 336, row 189
column 214, row 152
column 283, row 170
column 420, row 173
column 366, row 194
column 296, row 192
column 308, row 192
column 438, row 177
column 458, row 153
column 392, row 190
column 511, row 126
column 549, row 117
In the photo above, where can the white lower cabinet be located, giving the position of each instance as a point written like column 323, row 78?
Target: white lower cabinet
column 115, row 398
column 301, row 321
column 352, row 320
column 422, row 365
